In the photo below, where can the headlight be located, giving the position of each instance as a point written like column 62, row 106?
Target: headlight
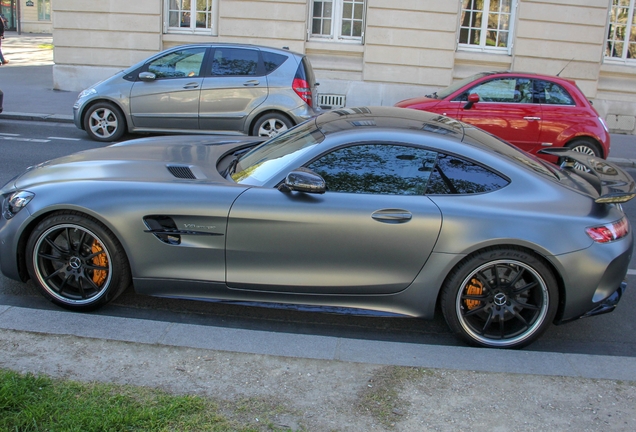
column 87, row 92
column 16, row 202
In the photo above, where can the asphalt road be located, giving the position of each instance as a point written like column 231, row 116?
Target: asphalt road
column 27, row 143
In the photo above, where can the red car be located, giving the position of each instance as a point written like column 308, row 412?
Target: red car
column 528, row 110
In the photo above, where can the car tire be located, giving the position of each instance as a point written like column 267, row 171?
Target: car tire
column 271, row 124
column 500, row 298
column 104, row 122
column 583, row 145
column 81, row 274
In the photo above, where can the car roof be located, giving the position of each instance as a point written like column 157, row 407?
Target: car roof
column 284, row 50
column 527, row 74
column 385, row 117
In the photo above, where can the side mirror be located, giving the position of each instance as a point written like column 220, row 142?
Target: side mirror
column 147, row 76
column 304, row 180
column 473, row 98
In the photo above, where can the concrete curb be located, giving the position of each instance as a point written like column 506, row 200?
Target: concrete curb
column 59, row 118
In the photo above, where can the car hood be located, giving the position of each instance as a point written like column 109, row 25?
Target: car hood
column 161, row 159
column 418, row 103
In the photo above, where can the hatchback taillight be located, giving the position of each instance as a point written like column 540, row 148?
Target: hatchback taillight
column 609, row 232
column 302, row 89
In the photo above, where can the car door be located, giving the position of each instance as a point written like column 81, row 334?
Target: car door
column 170, row 100
column 559, row 110
column 234, row 87
column 370, row 233
column 505, row 109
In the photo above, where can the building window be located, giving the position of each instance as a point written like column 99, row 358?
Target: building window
column 486, row 25
column 621, row 39
column 44, row 10
column 341, row 20
column 190, row 16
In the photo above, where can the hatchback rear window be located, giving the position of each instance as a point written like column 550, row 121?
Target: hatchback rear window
column 272, row 61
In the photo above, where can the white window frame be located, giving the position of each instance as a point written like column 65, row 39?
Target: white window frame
column 336, row 24
column 44, row 10
column 192, row 28
column 483, row 46
column 630, row 26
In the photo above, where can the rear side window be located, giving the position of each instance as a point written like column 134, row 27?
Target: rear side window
column 235, row 62
column 272, row 61
column 455, row 176
column 552, row 93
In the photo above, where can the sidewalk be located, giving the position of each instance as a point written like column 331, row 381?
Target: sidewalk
column 322, row 383
column 27, row 81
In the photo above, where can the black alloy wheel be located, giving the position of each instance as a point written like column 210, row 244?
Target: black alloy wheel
column 500, row 298
column 76, row 262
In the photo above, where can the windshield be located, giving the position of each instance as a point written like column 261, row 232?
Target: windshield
column 459, row 84
column 269, row 159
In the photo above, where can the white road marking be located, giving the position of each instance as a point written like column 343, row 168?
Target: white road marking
column 15, row 138
column 8, row 134
column 66, row 139
column 631, row 272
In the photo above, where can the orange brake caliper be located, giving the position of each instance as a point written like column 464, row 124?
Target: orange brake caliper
column 475, row 287
column 99, row 276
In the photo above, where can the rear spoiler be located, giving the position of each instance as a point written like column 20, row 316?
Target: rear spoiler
column 612, row 183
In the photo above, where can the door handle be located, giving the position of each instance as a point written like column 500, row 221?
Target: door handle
column 392, row 216
column 532, row 118
column 251, row 83
column 191, row 85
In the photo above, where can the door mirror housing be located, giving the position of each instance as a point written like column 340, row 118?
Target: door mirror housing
column 147, row 76
column 304, row 180
column 473, row 98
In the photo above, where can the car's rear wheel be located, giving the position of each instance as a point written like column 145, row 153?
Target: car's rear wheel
column 500, row 298
column 76, row 262
column 104, row 122
column 586, row 146
column 271, row 124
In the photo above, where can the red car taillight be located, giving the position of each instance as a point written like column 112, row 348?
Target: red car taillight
column 609, row 232
column 302, row 89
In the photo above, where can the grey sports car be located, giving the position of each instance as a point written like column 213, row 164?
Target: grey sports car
column 377, row 208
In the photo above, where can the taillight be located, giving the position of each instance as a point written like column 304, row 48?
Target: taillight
column 609, row 232
column 302, row 89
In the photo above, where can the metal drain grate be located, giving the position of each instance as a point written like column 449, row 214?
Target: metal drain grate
column 331, row 101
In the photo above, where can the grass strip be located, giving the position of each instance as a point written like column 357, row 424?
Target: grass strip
column 39, row 403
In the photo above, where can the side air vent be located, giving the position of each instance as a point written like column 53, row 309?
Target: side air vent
column 180, row 171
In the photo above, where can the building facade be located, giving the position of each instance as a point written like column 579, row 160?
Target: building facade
column 371, row 52
column 28, row 16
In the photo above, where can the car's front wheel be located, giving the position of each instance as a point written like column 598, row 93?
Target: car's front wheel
column 271, row 124
column 500, row 298
column 104, row 122
column 76, row 262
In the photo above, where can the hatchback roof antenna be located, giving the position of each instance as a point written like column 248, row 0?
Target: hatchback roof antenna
column 568, row 63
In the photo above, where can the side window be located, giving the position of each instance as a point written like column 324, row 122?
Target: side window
column 376, row 169
column 508, row 90
column 455, row 176
column 551, row 93
column 272, row 61
column 178, row 64
column 235, row 62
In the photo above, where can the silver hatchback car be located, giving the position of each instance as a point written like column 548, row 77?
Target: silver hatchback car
column 203, row 88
